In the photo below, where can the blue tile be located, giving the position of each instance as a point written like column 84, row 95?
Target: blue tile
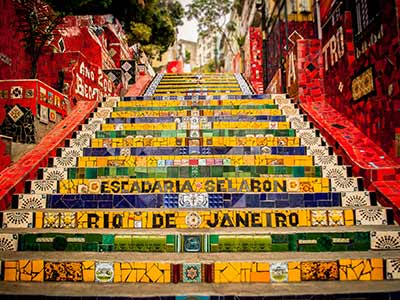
column 269, row 204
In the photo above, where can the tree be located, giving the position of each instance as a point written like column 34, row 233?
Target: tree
column 211, row 16
column 188, row 55
column 36, row 22
column 151, row 23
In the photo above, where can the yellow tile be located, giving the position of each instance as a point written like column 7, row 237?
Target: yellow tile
column 377, row 274
column 38, row 219
column 37, row 270
column 259, row 277
column 117, row 272
column 88, row 271
column 377, row 262
column 10, row 274
column 294, row 272
column 262, row 267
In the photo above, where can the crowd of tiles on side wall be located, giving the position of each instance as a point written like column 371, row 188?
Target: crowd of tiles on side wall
column 218, row 272
column 195, row 243
column 212, row 218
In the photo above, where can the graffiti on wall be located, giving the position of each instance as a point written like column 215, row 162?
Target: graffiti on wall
column 90, row 83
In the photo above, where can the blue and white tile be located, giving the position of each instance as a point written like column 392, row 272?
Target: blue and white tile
column 193, row 200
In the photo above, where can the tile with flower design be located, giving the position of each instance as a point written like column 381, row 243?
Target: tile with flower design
column 319, row 271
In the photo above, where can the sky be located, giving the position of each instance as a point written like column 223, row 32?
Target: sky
column 189, row 29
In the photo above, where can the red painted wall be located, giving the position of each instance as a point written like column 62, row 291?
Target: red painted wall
column 253, row 59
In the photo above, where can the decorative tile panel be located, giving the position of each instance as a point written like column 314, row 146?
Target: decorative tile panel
column 371, row 216
column 385, row 240
column 191, row 272
column 66, row 162
column 16, row 219
column 319, row 271
column 344, row 184
column 55, row 173
column 32, row 201
column 63, row 271
column 360, row 198
column 193, row 200
column 279, row 272
column 8, row 242
column 334, row 171
column 104, row 272
column 43, row 186
column 393, row 268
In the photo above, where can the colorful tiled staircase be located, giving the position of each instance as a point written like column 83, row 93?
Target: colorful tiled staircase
column 201, row 182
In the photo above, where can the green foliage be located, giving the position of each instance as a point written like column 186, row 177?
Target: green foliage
column 210, row 14
column 188, row 55
column 141, row 31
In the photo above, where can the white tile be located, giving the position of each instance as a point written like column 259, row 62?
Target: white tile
column 8, row 242
column 43, row 186
column 385, row 240
column 371, row 216
column 17, row 219
column 31, row 201
column 359, row 198
column 344, row 184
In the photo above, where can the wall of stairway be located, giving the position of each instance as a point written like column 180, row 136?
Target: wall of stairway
column 197, row 181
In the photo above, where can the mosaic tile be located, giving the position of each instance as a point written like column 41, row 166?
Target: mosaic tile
column 66, row 162
column 344, row 184
column 393, row 268
column 192, row 243
column 104, row 272
column 325, row 160
column 191, row 272
column 371, row 216
column 319, row 218
column 51, row 219
column 193, row 220
column 67, row 220
column 81, row 141
column 43, row 187
column 16, row 219
column 103, row 112
column 385, row 239
column 297, row 122
column 279, row 272
column 24, row 270
column 361, row 269
column 289, row 110
column 15, row 113
column 55, row 173
column 318, row 150
column 319, row 271
column 16, row 92
column 8, row 242
column 32, row 201
column 192, row 200
column 336, row 217
column 308, row 137
column 63, row 271
column 334, row 171
column 360, row 198
column 71, row 152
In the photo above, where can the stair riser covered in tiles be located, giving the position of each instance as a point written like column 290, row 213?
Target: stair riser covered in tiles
column 218, row 272
column 195, row 243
